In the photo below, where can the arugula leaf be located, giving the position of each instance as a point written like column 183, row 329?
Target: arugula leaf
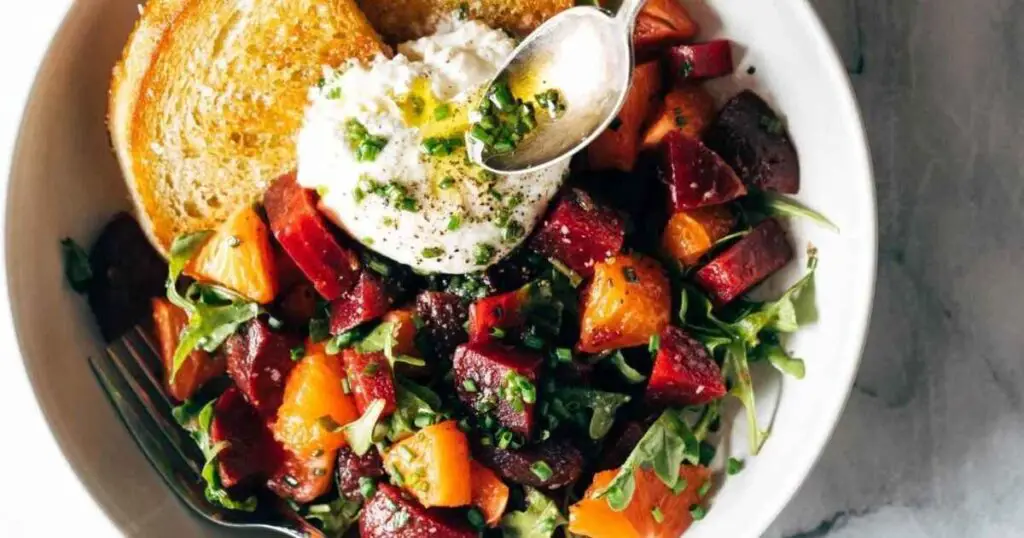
column 214, row 313
column 666, row 445
column 540, row 519
column 780, row 359
column 382, row 338
column 360, row 432
column 783, row 206
column 335, row 517
column 417, row 407
column 795, row 307
column 196, row 419
column 633, row 377
column 738, row 371
column 77, row 269
column 567, row 404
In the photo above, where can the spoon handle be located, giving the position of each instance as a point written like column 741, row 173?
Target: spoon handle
column 628, row 10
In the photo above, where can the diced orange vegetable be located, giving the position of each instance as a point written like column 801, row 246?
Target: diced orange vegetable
column 626, row 303
column 619, row 145
column 404, row 331
column 198, row 368
column 689, row 109
column 315, row 406
column 239, row 256
column 690, row 234
column 434, row 465
column 594, row 518
column 490, row 494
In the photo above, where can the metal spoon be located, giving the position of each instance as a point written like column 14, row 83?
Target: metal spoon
column 587, row 55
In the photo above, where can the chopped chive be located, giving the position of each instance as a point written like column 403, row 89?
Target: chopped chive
column 432, row 252
column 483, row 253
column 498, row 332
column 533, row 341
column 541, row 470
column 654, row 343
column 564, row 354
column 698, row 512
column 298, row 352
column 367, row 486
column 733, row 466
column 657, row 515
column 446, row 183
column 704, row 489
column 476, row 519
column 441, row 112
column 454, row 222
column 469, row 385
column 345, row 386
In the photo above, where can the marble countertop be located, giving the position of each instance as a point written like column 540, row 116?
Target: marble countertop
column 928, row 444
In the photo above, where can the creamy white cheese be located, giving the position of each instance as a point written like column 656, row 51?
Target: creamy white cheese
column 453, row 217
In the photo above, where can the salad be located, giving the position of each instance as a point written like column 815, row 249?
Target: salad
column 552, row 361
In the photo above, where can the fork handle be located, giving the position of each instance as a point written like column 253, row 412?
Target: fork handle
column 292, row 524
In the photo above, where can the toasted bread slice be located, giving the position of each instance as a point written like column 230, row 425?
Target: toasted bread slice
column 402, row 20
column 209, row 94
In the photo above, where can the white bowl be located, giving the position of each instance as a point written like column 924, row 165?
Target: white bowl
column 64, row 182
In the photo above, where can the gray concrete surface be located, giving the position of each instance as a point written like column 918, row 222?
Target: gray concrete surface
column 930, row 444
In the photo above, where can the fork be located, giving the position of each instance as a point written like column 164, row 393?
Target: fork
column 130, row 376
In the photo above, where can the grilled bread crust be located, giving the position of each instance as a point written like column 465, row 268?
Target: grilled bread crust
column 401, row 20
column 209, row 94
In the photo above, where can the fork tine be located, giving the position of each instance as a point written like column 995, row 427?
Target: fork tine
column 151, row 400
column 172, row 468
column 144, row 354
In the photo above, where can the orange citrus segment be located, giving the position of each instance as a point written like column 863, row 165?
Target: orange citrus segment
column 433, row 465
column 315, row 406
column 239, row 256
column 690, row 234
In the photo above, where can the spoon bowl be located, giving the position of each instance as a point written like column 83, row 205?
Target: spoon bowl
column 587, row 55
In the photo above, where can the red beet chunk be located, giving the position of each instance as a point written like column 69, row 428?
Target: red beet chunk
column 579, row 233
column 482, row 372
column 391, row 514
column 700, row 60
column 752, row 259
column 302, row 479
column 684, row 372
column 444, row 316
column 504, row 311
column 352, row 467
column 370, row 378
column 252, row 451
column 367, row 301
column 565, row 461
column 753, row 140
column 259, row 361
column 620, row 444
column 297, row 305
column 301, row 231
column 695, row 175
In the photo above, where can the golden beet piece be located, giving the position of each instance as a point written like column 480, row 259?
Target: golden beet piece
column 654, row 511
column 619, row 146
column 688, row 109
column 315, row 406
column 198, row 368
column 490, row 494
column 434, row 465
column 239, row 256
column 690, row 234
column 627, row 302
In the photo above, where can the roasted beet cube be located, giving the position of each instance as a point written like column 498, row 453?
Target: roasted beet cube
column 747, row 262
column 499, row 380
column 684, row 372
column 518, row 466
column 695, row 175
column 753, row 140
column 370, row 378
column 392, row 514
column 259, row 361
column 367, row 301
column 502, row 312
column 303, row 479
column 620, row 444
column 252, row 451
column 660, row 24
column 301, row 231
column 700, row 60
column 127, row 273
column 579, row 233
column 444, row 316
column 352, row 467
column 296, row 305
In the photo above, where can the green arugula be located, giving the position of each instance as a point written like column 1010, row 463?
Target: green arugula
column 737, row 370
column 214, row 313
column 196, row 419
column 360, row 433
column 540, row 519
column 775, row 354
column 417, row 407
column 630, row 374
column 794, row 308
column 335, row 517
column 569, row 403
column 382, row 338
column 775, row 204
column 77, row 269
column 666, row 445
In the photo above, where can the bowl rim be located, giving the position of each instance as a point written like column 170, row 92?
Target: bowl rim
column 20, row 90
